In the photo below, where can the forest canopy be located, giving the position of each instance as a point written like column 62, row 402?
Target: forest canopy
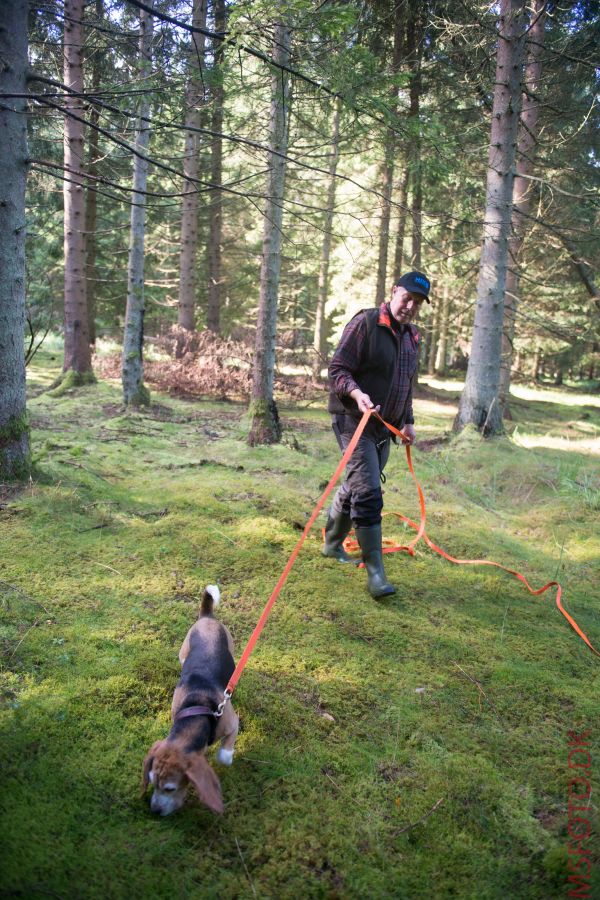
column 264, row 170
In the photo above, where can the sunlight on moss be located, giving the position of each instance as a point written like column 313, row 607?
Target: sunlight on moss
column 553, row 442
column 547, row 395
column 357, row 717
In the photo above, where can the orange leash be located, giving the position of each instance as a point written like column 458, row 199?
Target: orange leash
column 283, row 577
column 350, row 544
column 487, row 562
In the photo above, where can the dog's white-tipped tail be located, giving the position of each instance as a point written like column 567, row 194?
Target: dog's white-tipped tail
column 215, row 593
column 210, row 600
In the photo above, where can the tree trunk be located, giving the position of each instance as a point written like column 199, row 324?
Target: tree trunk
column 414, row 37
column 582, row 268
column 14, row 431
column 433, row 344
column 91, row 195
column 77, row 361
column 402, row 201
column 265, row 427
column 134, row 391
column 386, row 180
column 323, row 288
column 458, row 353
column 215, row 210
column 479, row 400
column 417, row 211
column 442, row 350
column 189, row 211
column 522, row 190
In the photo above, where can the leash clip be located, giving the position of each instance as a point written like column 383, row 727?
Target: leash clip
column 221, row 707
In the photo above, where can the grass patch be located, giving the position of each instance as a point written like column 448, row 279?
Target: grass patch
column 411, row 748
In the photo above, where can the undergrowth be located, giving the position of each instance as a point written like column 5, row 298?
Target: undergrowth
column 412, row 748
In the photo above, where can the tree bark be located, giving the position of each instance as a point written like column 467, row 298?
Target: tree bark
column 442, row 349
column 522, row 190
column 433, row 344
column 479, row 400
column 189, row 207
column 215, row 210
column 414, row 39
column 402, row 201
column 77, row 360
column 134, row 391
column 417, row 209
column 582, row 268
column 91, row 195
column 386, row 180
column 265, row 427
column 323, row 287
column 14, row 431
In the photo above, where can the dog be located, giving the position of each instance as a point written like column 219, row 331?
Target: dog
column 206, row 657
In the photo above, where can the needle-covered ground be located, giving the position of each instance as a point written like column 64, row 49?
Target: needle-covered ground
column 411, row 748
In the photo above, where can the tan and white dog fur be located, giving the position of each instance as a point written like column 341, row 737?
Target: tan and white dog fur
column 206, row 657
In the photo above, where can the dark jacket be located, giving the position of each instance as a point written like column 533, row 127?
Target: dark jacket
column 379, row 359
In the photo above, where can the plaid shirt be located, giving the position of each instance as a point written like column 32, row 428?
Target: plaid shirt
column 351, row 352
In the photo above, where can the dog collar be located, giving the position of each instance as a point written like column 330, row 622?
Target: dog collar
column 194, row 711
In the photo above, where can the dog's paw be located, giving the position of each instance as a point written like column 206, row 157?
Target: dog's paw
column 225, row 757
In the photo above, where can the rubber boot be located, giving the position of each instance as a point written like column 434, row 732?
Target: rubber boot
column 369, row 539
column 336, row 531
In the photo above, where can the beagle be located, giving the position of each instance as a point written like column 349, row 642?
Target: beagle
column 206, row 657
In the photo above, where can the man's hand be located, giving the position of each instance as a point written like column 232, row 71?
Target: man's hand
column 409, row 434
column 363, row 401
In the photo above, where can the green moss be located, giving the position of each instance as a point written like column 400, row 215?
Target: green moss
column 15, row 457
column 265, row 425
column 14, row 429
column 141, row 397
column 72, row 379
column 416, row 748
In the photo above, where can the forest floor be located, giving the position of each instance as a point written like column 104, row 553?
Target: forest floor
column 417, row 747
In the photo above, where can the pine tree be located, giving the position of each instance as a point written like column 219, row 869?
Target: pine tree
column 479, row 400
column 77, row 366
column 523, row 189
column 265, row 427
column 14, row 431
column 189, row 210
column 134, row 391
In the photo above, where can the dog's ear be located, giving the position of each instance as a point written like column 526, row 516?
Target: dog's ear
column 206, row 783
column 148, row 765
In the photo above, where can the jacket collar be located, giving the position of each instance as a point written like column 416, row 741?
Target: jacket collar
column 385, row 315
column 385, row 319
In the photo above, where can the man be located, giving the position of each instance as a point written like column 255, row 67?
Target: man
column 374, row 366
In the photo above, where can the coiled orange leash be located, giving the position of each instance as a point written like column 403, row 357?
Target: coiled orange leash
column 390, row 547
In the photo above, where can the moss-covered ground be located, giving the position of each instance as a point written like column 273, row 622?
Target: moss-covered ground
column 412, row 748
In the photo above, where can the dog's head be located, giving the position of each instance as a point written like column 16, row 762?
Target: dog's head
column 169, row 770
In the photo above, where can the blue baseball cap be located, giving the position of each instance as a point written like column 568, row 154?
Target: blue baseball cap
column 416, row 283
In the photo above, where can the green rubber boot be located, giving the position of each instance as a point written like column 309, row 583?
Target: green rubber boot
column 336, row 531
column 369, row 539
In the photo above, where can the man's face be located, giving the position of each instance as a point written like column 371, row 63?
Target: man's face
column 404, row 305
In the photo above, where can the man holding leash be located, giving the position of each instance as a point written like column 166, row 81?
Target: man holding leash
column 374, row 366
